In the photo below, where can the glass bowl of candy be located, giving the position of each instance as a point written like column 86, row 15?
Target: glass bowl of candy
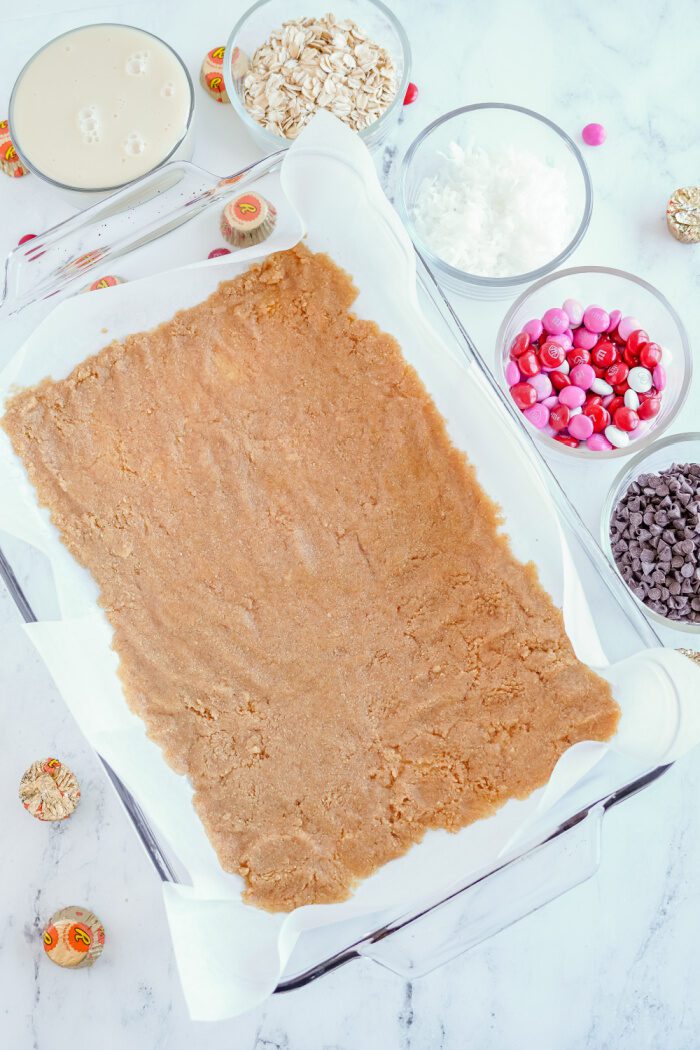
column 650, row 530
column 494, row 197
column 367, row 68
column 597, row 361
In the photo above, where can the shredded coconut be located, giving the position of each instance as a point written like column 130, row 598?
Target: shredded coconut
column 494, row 213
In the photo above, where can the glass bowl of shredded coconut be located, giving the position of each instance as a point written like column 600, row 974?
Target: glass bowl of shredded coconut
column 286, row 59
column 494, row 197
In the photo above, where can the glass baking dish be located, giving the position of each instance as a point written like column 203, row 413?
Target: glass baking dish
column 127, row 230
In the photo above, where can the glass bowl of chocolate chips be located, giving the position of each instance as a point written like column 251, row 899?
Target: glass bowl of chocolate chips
column 651, row 530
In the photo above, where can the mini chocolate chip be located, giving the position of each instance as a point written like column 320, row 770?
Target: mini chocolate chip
column 655, row 540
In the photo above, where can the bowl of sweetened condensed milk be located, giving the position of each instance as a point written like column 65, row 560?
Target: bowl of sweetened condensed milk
column 100, row 106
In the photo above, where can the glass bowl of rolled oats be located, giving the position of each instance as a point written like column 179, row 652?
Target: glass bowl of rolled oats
column 284, row 62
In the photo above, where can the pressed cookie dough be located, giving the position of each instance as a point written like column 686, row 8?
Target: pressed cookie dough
column 314, row 612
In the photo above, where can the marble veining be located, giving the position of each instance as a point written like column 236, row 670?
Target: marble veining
column 614, row 964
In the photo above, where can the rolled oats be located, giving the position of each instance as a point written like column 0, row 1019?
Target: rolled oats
column 318, row 63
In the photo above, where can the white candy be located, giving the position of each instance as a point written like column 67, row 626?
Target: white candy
column 632, row 399
column 640, row 379
column 574, row 311
column 599, row 386
column 575, row 411
column 618, row 438
column 564, row 367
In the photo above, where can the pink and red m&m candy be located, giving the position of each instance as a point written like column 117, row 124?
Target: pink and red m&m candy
column 588, row 377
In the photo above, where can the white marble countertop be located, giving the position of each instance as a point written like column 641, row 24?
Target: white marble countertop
column 614, row 963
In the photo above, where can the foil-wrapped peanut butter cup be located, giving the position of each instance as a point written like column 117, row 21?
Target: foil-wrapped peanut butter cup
column 212, row 74
column 49, row 790
column 249, row 219
column 10, row 162
column 74, row 938
column 683, row 214
column 104, row 282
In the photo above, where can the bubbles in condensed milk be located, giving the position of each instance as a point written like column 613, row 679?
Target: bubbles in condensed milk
column 89, row 124
column 168, row 89
column 137, row 64
column 134, row 144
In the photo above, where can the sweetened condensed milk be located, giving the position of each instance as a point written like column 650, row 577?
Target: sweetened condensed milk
column 100, row 106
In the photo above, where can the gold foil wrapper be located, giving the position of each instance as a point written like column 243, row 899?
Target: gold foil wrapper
column 49, row 790
column 10, row 163
column 683, row 214
column 691, row 654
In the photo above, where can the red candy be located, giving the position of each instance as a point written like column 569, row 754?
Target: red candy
column 524, row 395
column 635, row 340
column 559, row 417
column 592, row 400
column 578, row 356
column 520, row 344
column 604, row 354
column 552, row 354
column 599, row 417
column 617, row 373
column 528, row 363
column 650, row 355
column 630, row 357
column 621, row 388
column 216, row 252
column 559, row 380
column 626, row 418
column 649, row 408
column 613, row 405
column 566, row 439
column 411, row 94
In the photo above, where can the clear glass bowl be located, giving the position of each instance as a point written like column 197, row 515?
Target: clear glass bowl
column 677, row 448
column 80, row 195
column 613, row 290
column 254, row 27
column 493, row 125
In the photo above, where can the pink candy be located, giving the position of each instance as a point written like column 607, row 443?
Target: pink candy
column 555, row 321
column 538, row 415
column 659, row 377
column 596, row 319
column 572, row 396
column 598, row 443
column 583, row 376
column 594, row 134
column 585, row 339
column 561, row 340
column 581, row 427
column 550, row 402
column 615, row 318
column 512, row 373
column 534, row 329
